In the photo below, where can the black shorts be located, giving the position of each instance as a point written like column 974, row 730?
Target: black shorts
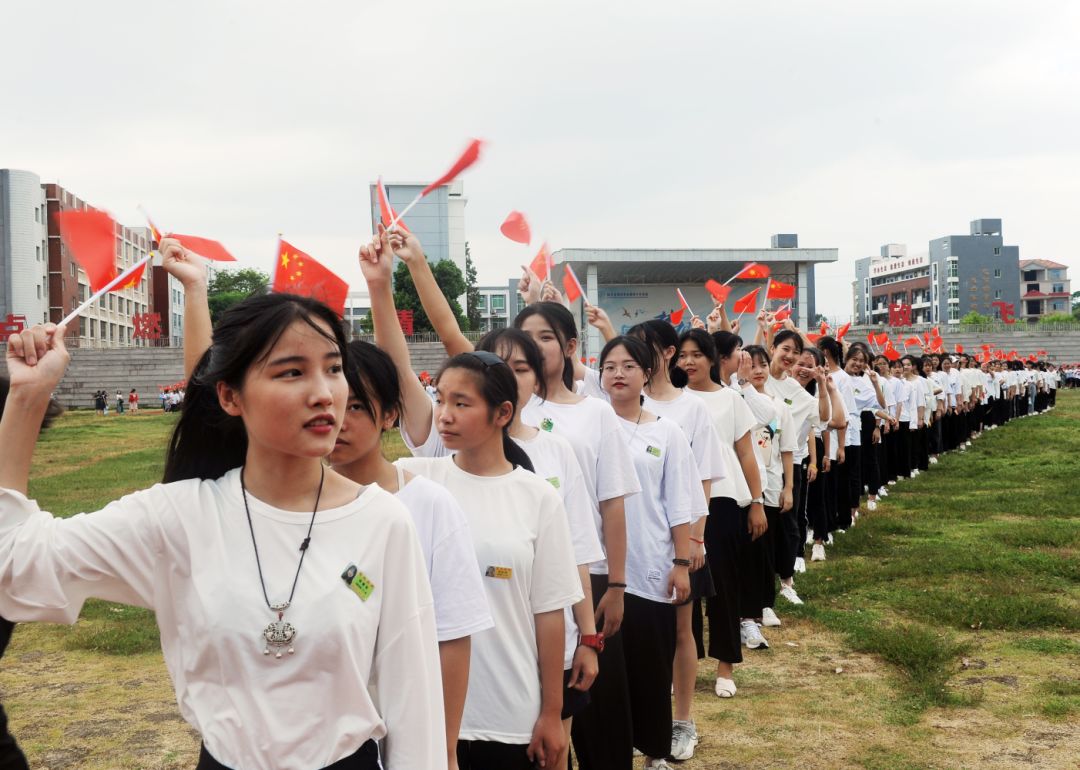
column 573, row 701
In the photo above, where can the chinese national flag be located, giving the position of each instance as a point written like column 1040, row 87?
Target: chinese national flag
column 718, row 291
column 882, row 338
column 824, row 329
column 783, row 313
column 747, row 303
column 843, row 330
column 204, row 247
column 470, row 156
column 778, row 290
column 386, row 211
column 571, row 285
column 299, row 273
column 913, row 341
column 890, row 352
column 814, row 336
column 516, row 228
column 959, row 348
column 541, row 264
column 753, row 271
column 91, row 237
column 675, row 317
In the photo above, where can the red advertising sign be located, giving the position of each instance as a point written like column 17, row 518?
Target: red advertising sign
column 899, row 315
column 13, row 324
column 147, row 326
column 1007, row 310
column 405, row 318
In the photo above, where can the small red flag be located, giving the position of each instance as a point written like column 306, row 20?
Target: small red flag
column 778, row 290
column 718, row 291
column 959, row 348
column 753, row 271
column 386, row 212
column 748, row 302
column 814, row 336
column 842, row 331
column 824, row 329
column 783, row 313
column 913, row 341
column 882, row 338
column 870, row 337
column 890, row 352
column 204, row 247
column 1042, row 352
column 675, row 316
column 541, row 264
column 571, row 285
column 470, row 156
column 91, row 237
column 516, row 228
column 935, row 332
column 300, row 273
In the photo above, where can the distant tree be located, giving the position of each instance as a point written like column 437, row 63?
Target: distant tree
column 231, row 286
column 450, row 280
column 976, row 319
column 1058, row 318
column 472, row 293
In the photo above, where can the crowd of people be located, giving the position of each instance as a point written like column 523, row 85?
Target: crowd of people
column 540, row 579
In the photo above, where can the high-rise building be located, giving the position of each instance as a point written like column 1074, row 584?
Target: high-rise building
column 438, row 220
column 1045, row 289
column 24, row 261
column 970, row 273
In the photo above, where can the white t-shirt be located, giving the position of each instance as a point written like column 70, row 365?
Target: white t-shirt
column 184, row 550
column 842, row 381
column 803, row 407
column 770, row 439
column 903, row 398
column 732, row 419
column 461, row 607
column 592, row 429
column 693, row 418
column 526, row 558
column 665, row 466
column 554, row 461
column 916, row 396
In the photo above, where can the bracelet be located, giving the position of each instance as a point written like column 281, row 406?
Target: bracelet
column 616, row 585
column 681, row 562
column 695, row 540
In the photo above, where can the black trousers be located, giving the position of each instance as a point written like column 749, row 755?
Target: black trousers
column 814, row 503
column 831, row 495
column 602, row 733
column 853, row 462
column 871, row 474
column 757, row 567
column 365, row 758
column 11, row 756
column 648, row 633
column 903, row 451
column 489, row 755
column 725, row 537
column 786, row 544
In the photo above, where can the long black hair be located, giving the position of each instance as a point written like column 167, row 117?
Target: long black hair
column 706, row 345
column 496, row 382
column 561, row 321
column 726, row 345
column 373, row 379
column 832, row 348
column 502, row 342
column 207, row 442
column 661, row 335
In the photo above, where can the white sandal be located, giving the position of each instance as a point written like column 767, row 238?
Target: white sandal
column 725, row 688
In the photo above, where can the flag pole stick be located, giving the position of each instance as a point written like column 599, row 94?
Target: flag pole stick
column 683, row 298
column 117, row 281
column 404, row 211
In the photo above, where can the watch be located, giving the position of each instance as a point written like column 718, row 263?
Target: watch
column 593, row 641
column 758, row 500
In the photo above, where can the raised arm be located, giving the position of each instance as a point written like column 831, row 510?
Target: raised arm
column 376, row 264
column 190, row 270
column 408, row 249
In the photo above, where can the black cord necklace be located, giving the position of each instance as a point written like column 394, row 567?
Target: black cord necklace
column 280, row 633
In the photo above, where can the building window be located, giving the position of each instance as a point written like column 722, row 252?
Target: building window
column 952, row 269
column 39, row 292
column 37, row 253
column 1032, row 287
column 997, row 251
column 1030, row 275
column 482, row 302
column 1058, row 288
column 997, row 272
column 997, row 293
column 498, row 303
column 954, row 291
column 954, row 313
column 1058, row 305
column 37, row 214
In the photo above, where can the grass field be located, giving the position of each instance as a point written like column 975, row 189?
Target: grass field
column 943, row 632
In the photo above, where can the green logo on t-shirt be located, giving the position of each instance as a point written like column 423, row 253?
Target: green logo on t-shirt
column 547, row 424
column 653, row 450
column 554, row 481
column 787, row 401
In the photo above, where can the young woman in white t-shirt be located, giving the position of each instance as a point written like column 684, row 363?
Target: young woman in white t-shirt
column 658, row 543
column 461, row 607
column 279, row 586
column 736, row 505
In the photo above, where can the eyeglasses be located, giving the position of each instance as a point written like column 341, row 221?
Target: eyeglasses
column 628, row 368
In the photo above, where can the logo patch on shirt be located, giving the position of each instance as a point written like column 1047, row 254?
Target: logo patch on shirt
column 653, row 450
column 654, row 575
column 358, row 582
column 547, row 424
column 502, row 573
column 554, row 481
column 788, row 401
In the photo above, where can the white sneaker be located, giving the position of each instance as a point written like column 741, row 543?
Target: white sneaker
column 933, row 461
column 839, row 532
column 809, row 537
column 725, row 688
column 751, row 636
column 657, row 764
column 788, row 592
column 769, row 619
column 828, row 541
column 684, row 739
column 892, row 483
column 967, row 443
column 915, row 472
column 871, row 505
column 818, row 554
column 883, row 492
column 800, row 562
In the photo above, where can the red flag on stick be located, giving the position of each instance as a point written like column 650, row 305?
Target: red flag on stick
column 516, row 228
column 882, row 338
column 814, row 336
column 572, row 286
column 913, row 341
column 842, row 331
column 890, row 352
column 753, row 272
column 748, row 302
column 204, row 247
column 959, row 348
column 541, row 264
column 300, row 273
column 386, row 211
column 778, row 290
column 783, row 313
column 469, row 157
column 91, row 237
column 718, row 291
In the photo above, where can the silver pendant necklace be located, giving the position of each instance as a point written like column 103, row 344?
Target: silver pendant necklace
column 280, row 633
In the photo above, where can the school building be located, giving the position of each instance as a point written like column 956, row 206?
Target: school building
column 635, row 285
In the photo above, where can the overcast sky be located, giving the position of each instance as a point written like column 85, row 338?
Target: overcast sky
column 613, row 124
